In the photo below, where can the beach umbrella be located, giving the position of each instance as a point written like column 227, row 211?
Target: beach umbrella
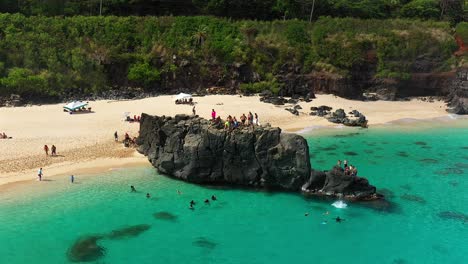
column 75, row 105
column 182, row 96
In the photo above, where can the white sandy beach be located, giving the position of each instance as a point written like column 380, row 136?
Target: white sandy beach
column 85, row 141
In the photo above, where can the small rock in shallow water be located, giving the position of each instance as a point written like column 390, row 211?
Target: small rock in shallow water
column 429, row 161
column 420, row 143
column 402, row 154
column 453, row 216
column 399, row 261
column 204, row 243
column 448, row 171
column 453, row 183
column 127, row 232
column 461, row 165
column 413, row 198
column 406, row 187
column 165, row 216
column 86, row 249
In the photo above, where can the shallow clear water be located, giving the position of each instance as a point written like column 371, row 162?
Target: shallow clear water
column 426, row 171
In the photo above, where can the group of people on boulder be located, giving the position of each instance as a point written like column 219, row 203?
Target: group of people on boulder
column 348, row 169
column 53, row 150
column 232, row 123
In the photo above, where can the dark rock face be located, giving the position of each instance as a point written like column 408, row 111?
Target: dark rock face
column 190, row 149
column 340, row 117
column 292, row 111
column 336, row 183
column 270, row 99
column 320, row 111
column 458, row 97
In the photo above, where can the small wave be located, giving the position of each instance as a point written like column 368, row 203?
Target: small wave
column 339, row 204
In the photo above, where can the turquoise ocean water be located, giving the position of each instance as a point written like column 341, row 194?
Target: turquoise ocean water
column 424, row 173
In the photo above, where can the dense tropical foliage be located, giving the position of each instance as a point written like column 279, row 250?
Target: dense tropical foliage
column 56, row 56
column 451, row 10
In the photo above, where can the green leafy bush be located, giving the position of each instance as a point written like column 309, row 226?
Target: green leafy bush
column 143, row 73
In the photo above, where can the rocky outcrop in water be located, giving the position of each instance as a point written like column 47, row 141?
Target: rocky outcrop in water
column 336, row 183
column 191, row 149
column 458, row 97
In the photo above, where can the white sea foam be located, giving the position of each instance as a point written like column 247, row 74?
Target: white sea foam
column 339, row 204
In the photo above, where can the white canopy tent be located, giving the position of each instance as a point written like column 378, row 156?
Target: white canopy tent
column 125, row 115
column 182, row 96
column 75, row 105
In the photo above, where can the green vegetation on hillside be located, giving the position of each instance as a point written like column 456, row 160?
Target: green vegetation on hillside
column 56, row 56
column 451, row 10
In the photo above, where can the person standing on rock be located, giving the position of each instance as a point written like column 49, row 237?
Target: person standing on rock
column 213, row 114
column 46, row 149
column 257, row 122
column 243, row 118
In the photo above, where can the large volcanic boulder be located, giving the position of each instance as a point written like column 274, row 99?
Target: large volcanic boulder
column 458, row 97
column 189, row 148
column 192, row 149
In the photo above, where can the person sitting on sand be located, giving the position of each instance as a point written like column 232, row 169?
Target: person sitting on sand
column 214, row 198
column 53, row 150
column 46, row 149
column 132, row 188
